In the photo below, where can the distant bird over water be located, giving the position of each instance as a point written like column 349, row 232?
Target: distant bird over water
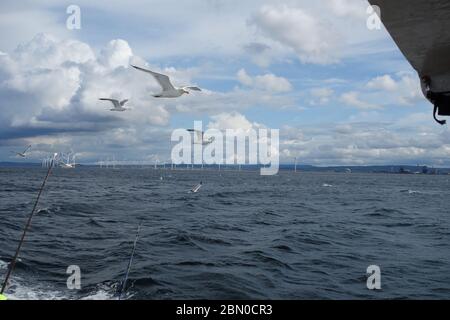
column 196, row 188
column 118, row 105
column 200, row 139
column 22, row 154
column 169, row 91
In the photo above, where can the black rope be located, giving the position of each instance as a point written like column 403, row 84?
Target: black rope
column 27, row 226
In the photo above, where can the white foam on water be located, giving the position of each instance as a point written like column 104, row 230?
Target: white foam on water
column 327, row 185
column 18, row 291
column 103, row 292
column 22, row 292
column 99, row 295
column 412, row 191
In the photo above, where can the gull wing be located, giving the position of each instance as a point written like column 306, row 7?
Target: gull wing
column 198, row 133
column 114, row 102
column 420, row 30
column 122, row 103
column 162, row 79
column 26, row 149
column 192, row 88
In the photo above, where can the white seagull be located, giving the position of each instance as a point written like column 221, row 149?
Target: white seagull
column 22, row 154
column 169, row 91
column 196, row 188
column 200, row 139
column 118, row 105
column 67, row 164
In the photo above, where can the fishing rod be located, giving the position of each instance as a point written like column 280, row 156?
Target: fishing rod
column 130, row 262
column 27, row 226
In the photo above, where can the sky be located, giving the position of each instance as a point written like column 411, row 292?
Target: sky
column 339, row 93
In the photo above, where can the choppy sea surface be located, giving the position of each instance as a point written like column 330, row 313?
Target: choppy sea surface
column 290, row 236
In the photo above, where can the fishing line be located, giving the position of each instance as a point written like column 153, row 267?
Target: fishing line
column 130, row 262
column 27, row 226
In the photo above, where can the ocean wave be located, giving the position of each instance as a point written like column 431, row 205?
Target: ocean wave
column 195, row 263
column 284, row 248
column 269, row 260
column 48, row 210
column 238, row 238
column 17, row 290
column 105, row 291
column 95, row 223
column 386, row 212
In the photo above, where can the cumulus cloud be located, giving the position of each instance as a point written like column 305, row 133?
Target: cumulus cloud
column 403, row 89
column 233, row 120
column 362, row 143
column 268, row 82
column 382, row 82
column 116, row 54
column 247, row 131
column 352, row 99
column 320, row 96
column 349, row 8
column 52, row 86
column 173, row 29
column 260, row 53
column 313, row 40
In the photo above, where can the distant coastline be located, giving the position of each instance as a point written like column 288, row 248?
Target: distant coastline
column 387, row 169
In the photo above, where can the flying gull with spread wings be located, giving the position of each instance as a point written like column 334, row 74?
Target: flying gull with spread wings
column 22, row 154
column 168, row 90
column 199, row 137
column 118, row 105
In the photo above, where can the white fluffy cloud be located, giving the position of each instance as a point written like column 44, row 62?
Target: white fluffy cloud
column 320, row 96
column 352, row 98
column 310, row 38
column 382, row 82
column 54, row 85
column 349, row 8
column 53, row 88
column 116, row 54
column 369, row 143
column 389, row 90
column 242, row 128
column 233, row 120
column 268, row 82
column 50, row 87
column 403, row 89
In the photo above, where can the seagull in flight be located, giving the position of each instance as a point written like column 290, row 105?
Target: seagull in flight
column 168, row 90
column 200, row 139
column 118, row 105
column 196, row 188
column 22, row 154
